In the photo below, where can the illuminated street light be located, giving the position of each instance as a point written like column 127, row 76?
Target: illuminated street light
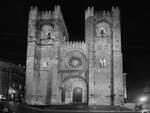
column 11, row 90
column 1, row 96
column 143, row 99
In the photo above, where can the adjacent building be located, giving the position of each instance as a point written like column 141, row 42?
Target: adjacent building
column 12, row 81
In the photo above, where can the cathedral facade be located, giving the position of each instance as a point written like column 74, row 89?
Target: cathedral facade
column 59, row 71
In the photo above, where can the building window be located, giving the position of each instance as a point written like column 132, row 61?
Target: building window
column 102, row 33
column 20, row 86
column 13, row 84
column 49, row 36
column 63, row 95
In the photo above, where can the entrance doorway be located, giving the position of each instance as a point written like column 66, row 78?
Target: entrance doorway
column 77, row 95
column 63, row 95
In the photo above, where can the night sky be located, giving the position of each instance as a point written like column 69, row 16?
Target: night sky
column 135, row 19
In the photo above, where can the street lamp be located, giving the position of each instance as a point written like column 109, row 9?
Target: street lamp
column 143, row 99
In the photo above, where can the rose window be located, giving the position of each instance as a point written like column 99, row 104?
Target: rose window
column 74, row 62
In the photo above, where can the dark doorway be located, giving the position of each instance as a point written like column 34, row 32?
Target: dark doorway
column 63, row 95
column 77, row 95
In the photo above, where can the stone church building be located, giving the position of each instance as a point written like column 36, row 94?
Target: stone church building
column 59, row 71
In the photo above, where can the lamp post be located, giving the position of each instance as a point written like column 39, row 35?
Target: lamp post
column 142, row 100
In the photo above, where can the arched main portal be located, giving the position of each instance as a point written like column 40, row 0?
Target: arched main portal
column 77, row 95
column 74, row 91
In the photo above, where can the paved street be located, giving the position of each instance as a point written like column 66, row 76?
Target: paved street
column 22, row 108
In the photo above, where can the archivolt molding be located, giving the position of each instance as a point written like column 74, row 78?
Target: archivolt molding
column 68, row 81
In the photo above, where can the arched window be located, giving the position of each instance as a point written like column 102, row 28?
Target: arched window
column 77, row 95
column 102, row 29
column 49, row 35
column 46, row 31
column 63, row 95
column 102, row 33
column 20, row 86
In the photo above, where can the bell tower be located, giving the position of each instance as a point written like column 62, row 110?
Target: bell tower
column 46, row 30
column 102, row 34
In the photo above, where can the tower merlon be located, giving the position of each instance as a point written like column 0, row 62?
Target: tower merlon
column 57, row 12
column 115, row 12
column 45, row 15
column 89, row 12
column 108, row 16
column 33, row 8
column 104, row 14
column 57, row 8
column 33, row 13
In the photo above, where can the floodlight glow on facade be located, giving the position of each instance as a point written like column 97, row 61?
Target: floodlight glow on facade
column 143, row 99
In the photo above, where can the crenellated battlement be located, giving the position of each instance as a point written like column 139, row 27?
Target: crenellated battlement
column 89, row 12
column 103, row 15
column 73, row 42
column 74, row 45
column 45, row 15
column 115, row 11
column 37, row 19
